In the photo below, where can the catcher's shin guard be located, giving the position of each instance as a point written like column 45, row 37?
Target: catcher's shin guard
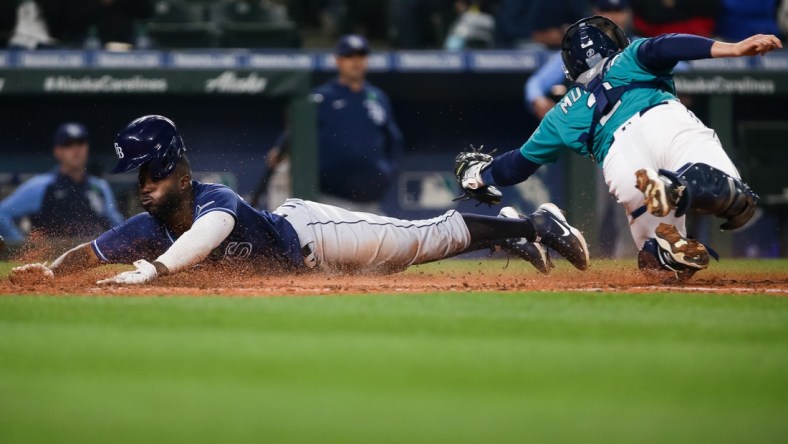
column 673, row 254
column 699, row 188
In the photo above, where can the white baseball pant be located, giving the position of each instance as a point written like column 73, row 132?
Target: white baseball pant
column 343, row 241
column 668, row 137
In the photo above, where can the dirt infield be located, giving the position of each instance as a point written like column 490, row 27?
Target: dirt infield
column 612, row 276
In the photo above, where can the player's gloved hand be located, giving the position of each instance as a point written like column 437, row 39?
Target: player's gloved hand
column 28, row 274
column 144, row 273
column 468, row 166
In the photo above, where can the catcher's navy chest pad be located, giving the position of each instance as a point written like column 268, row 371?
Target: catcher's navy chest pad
column 606, row 97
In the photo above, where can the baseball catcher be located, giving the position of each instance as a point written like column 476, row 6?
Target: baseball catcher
column 658, row 159
column 187, row 222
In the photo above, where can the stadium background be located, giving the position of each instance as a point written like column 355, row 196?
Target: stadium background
column 443, row 101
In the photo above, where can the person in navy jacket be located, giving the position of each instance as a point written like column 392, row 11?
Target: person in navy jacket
column 66, row 201
column 359, row 140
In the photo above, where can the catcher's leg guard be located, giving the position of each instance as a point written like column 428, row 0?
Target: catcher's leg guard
column 699, row 188
column 670, row 251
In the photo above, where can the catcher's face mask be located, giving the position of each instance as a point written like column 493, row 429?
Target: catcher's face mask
column 589, row 41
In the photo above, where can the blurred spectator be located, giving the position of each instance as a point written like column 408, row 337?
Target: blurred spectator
column 782, row 18
column 520, row 22
column 538, row 88
column 69, row 23
column 359, row 142
column 418, row 24
column 8, row 9
column 66, row 202
column 367, row 17
column 474, row 27
column 740, row 19
column 30, row 30
column 118, row 19
column 652, row 18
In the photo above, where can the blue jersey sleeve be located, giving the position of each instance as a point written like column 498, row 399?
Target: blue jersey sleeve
column 24, row 201
column 665, row 51
column 215, row 198
column 141, row 237
column 549, row 75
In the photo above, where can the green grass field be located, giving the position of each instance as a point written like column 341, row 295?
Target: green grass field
column 454, row 368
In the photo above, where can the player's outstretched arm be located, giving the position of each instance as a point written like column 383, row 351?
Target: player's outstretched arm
column 192, row 247
column 758, row 44
column 77, row 259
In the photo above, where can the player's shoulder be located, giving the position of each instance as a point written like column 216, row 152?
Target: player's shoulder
column 630, row 53
column 326, row 90
column 207, row 190
column 40, row 180
column 214, row 196
column 97, row 181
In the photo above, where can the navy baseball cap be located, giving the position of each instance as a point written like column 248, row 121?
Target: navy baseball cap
column 70, row 132
column 611, row 5
column 352, row 44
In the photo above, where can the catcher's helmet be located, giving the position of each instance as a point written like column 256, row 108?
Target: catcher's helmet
column 151, row 139
column 588, row 41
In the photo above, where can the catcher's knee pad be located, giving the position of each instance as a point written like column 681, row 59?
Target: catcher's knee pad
column 701, row 188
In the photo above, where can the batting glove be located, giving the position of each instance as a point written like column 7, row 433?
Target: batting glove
column 144, row 273
column 31, row 274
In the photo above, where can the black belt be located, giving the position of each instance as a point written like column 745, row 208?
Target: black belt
column 648, row 108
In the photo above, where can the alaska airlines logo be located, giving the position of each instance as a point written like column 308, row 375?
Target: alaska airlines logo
column 230, row 82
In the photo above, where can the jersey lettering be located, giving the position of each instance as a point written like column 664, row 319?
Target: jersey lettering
column 238, row 250
column 569, row 99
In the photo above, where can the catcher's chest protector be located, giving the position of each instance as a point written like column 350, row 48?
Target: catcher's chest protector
column 605, row 98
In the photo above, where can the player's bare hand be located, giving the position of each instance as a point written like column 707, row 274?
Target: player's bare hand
column 758, row 44
column 31, row 274
column 144, row 273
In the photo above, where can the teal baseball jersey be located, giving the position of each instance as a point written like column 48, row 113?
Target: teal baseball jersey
column 572, row 116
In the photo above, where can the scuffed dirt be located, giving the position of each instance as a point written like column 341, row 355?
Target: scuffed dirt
column 611, row 277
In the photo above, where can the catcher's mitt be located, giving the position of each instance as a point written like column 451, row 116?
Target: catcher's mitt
column 467, row 169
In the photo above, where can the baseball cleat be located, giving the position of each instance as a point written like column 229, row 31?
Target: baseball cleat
column 532, row 252
column 554, row 231
column 687, row 252
column 671, row 252
column 660, row 194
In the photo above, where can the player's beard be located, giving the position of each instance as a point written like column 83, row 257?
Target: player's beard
column 165, row 207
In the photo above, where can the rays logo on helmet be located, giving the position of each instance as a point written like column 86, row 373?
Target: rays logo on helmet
column 118, row 151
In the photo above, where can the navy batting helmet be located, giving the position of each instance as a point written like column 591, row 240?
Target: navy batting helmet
column 151, row 139
column 588, row 41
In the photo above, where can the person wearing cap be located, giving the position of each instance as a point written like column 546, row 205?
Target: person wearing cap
column 359, row 141
column 65, row 202
column 539, row 86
